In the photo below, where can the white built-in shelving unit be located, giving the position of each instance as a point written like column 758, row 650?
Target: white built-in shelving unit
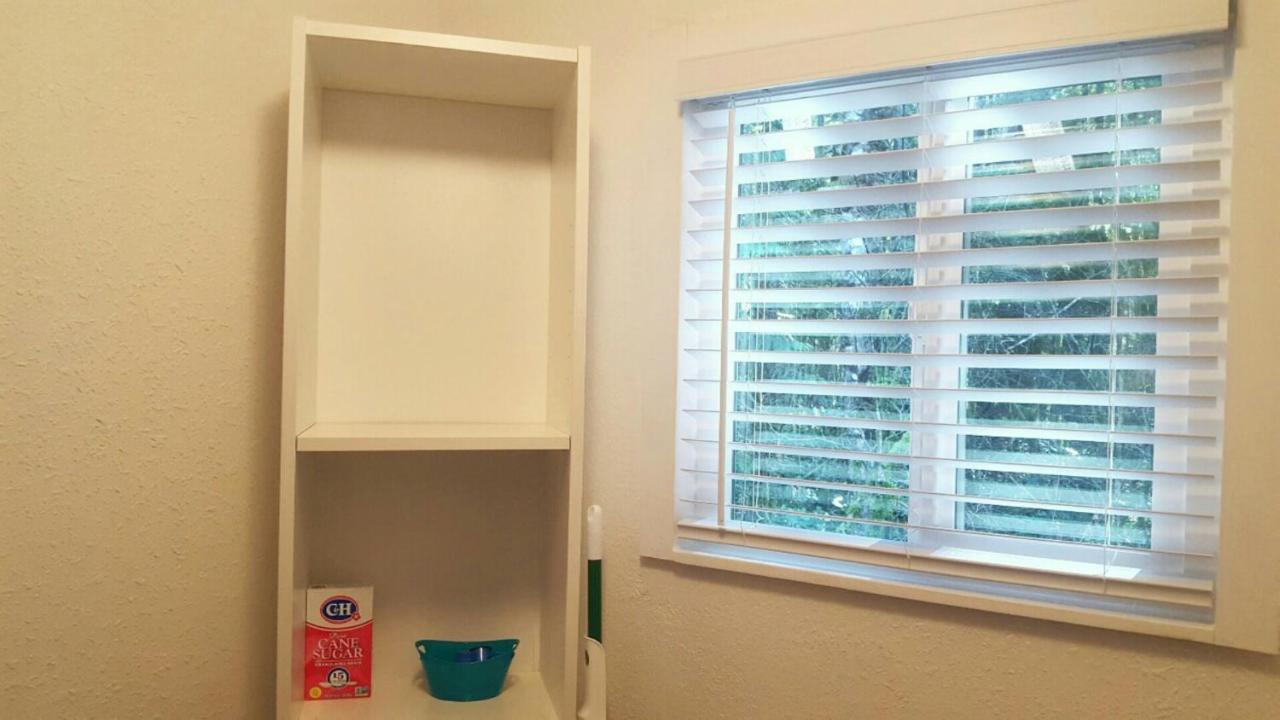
column 433, row 357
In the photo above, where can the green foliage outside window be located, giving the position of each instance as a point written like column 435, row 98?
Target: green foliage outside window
column 1096, row 509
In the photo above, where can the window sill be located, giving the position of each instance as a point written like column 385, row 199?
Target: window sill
column 1110, row 612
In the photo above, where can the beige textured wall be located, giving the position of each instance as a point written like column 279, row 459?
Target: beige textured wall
column 141, row 226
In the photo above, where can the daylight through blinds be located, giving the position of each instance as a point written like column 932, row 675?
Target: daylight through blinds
column 967, row 321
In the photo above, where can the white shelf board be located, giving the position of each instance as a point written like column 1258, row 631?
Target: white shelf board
column 378, row 436
column 524, row 698
column 454, row 67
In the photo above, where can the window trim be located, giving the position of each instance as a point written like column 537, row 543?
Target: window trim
column 1245, row 615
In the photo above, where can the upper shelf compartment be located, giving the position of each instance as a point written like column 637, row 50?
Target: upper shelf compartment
column 444, row 67
column 440, row 224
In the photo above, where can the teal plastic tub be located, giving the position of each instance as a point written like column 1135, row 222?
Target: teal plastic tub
column 466, row 671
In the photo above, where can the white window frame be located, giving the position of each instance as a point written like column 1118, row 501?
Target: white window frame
column 1245, row 614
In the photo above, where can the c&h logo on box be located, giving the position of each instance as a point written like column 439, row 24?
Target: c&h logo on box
column 340, row 609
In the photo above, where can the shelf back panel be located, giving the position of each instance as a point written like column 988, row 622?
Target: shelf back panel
column 453, row 544
column 434, row 253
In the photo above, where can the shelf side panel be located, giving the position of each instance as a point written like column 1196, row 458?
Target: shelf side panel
column 577, row 486
column 298, row 363
column 556, row 571
column 562, row 625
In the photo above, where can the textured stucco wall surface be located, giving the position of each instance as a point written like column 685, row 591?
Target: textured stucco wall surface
column 141, row 230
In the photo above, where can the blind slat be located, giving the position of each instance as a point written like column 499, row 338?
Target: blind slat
column 1200, row 480
column 967, row 257
column 1039, row 182
column 974, row 428
column 1078, row 397
column 1081, row 106
column 964, row 83
column 1195, row 132
column 978, row 291
column 971, row 360
column 908, row 526
column 1034, row 219
column 957, row 496
column 1068, row 325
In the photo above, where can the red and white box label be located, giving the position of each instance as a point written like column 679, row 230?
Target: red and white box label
column 339, row 640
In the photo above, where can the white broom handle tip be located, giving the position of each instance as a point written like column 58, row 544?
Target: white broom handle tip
column 595, row 533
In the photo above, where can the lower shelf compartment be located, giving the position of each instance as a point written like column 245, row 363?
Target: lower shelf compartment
column 524, row 698
column 457, row 546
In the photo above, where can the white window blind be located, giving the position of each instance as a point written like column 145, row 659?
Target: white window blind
column 965, row 321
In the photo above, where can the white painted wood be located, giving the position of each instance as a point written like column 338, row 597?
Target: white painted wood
column 298, row 362
column 562, row 277
column 454, row 544
column 575, row 589
column 451, row 67
column 1248, row 586
column 434, row 261
column 976, row 601
column 319, row 29
column 1245, row 615
column 370, row 437
column 966, row 35
column 435, row 300
column 524, row 698
column 562, row 630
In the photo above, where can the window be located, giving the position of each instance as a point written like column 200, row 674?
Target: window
column 963, row 327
